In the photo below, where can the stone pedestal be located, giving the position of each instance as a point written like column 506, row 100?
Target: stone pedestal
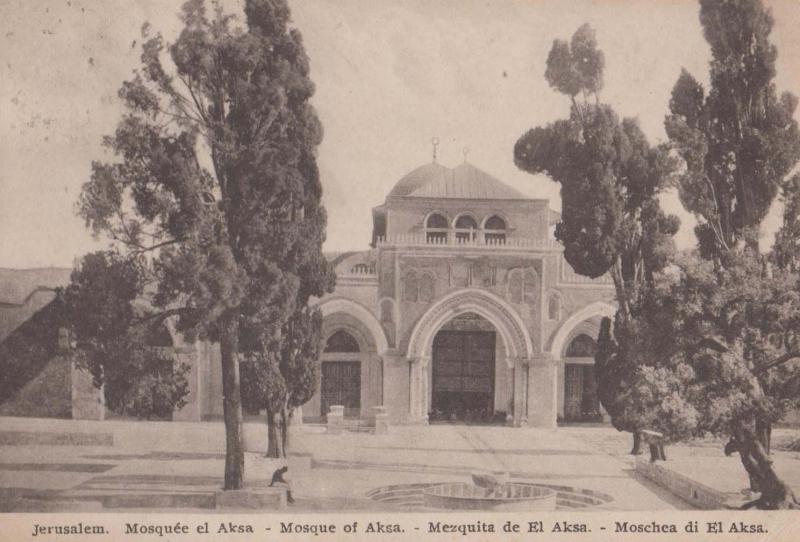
column 336, row 419
column 88, row 402
column 381, row 420
column 297, row 416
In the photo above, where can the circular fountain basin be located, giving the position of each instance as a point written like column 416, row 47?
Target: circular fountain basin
column 511, row 497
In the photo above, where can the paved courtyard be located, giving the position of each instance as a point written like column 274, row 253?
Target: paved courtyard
column 54, row 465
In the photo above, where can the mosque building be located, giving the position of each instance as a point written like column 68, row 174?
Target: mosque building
column 463, row 309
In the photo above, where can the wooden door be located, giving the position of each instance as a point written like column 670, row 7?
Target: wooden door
column 581, row 403
column 463, row 375
column 341, row 385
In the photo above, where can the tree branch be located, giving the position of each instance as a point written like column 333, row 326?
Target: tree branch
column 789, row 356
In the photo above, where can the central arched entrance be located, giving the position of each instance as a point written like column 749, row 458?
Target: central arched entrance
column 463, row 371
column 513, row 351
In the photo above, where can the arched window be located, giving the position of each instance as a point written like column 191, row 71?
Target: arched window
column 582, row 346
column 409, row 286
column 466, row 229
column 436, row 229
column 436, row 221
column 554, row 307
column 341, row 341
column 427, row 288
column 495, row 233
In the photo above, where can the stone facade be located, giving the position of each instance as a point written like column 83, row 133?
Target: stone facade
column 455, row 254
column 454, row 242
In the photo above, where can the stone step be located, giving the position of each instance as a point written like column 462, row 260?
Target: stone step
column 51, row 438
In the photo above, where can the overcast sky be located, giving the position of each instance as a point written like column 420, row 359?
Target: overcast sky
column 390, row 75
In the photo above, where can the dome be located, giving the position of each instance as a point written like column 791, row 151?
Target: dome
column 464, row 181
column 418, row 178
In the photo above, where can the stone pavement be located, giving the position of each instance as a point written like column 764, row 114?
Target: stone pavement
column 703, row 461
column 123, row 465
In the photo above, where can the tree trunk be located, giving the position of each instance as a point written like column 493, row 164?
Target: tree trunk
column 637, row 444
column 286, row 419
column 764, row 433
column 775, row 494
column 231, row 402
column 275, row 433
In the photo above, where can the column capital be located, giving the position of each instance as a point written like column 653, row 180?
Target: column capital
column 422, row 361
column 543, row 358
column 522, row 362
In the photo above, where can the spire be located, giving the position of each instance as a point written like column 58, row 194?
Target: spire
column 435, row 143
column 465, row 150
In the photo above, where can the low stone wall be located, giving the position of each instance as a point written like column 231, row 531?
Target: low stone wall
column 681, row 486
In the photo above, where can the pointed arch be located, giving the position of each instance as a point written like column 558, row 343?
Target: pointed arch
column 504, row 318
column 360, row 313
column 598, row 308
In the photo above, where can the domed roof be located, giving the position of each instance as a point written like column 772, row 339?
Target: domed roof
column 464, row 181
column 417, row 178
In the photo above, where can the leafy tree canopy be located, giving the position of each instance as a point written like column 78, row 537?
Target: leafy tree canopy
column 738, row 139
column 214, row 196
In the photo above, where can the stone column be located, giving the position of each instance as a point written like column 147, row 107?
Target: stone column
column 418, row 390
column 520, row 415
column 423, row 377
column 412, row 390
column 510, row 409
column 543, row 391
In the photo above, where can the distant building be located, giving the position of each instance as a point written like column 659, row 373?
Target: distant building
column 463, row 309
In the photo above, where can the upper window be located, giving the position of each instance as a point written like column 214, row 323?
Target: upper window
column 466, row 222
column 495, row 233
column 341, row 341
column 436, row 227
column 495, row 223
column 466, row 229
column 436, row 221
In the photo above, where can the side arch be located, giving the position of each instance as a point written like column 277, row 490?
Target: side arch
column 360, row 313
column 598, row 308
column 506, row 320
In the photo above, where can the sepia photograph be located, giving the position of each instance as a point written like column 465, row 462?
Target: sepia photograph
column 462, row 268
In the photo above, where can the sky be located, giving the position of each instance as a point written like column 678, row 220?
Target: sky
column 390, row 75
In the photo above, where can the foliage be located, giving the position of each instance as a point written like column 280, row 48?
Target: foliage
column 122, row 342
column 221, row 247
column 281, row 384
column 610, row 177
column 725, row 353
column 729, row 316
column 738, row 140
column 786, row 250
